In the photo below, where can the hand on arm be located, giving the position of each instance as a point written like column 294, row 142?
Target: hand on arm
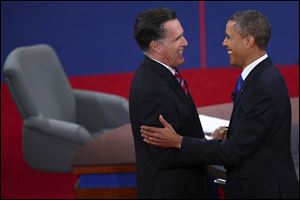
column 163, row 137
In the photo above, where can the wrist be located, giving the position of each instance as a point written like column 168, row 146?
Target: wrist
column 179, row 143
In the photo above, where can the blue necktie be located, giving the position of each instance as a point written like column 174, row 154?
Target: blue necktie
column 238, row 86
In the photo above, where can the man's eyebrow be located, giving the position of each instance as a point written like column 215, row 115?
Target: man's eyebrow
column 177, row 38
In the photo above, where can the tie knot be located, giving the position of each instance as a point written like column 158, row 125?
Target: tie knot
column 177, row 74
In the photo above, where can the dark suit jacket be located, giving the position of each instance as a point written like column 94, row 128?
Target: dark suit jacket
column 257, row 153
column 155, row 91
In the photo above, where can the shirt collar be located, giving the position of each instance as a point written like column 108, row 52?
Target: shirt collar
column 251, row 66
column 168, row 67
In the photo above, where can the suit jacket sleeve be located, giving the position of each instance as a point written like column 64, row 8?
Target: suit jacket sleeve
column 252, row 123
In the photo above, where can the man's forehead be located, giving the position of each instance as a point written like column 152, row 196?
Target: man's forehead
column 232, row 26
column 173, row 27
column 231, row 23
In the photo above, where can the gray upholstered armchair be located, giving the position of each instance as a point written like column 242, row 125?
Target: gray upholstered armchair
column 57, row 119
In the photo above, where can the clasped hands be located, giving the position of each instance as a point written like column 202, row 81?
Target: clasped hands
column 168, row 138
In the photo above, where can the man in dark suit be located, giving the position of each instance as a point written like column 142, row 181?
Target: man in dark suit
column 257, row 151
column 156, row 90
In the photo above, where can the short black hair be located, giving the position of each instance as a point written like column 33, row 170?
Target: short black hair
column 149, row 25
column 252, row 22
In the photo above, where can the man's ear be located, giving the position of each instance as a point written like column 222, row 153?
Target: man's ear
column 250, row 41
column 155, row 46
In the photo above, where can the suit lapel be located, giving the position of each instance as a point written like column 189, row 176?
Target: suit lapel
column 165, row 74
column 177, row 88
column 248, row 81
column 187, row 99
column 265, row 63
column 240, row 94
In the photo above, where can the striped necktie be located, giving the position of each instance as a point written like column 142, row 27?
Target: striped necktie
column 181, row 81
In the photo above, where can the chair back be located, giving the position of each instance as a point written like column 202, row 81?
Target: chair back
column 38, row 84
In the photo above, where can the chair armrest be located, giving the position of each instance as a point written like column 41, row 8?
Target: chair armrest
column 97, row 110
column 61, row 129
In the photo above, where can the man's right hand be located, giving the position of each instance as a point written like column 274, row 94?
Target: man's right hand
column 220, row 133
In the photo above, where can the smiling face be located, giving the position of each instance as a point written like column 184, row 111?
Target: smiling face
column 171, row 47
column 236, row 45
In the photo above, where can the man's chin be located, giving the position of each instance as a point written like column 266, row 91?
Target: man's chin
column 181, row 61
column 235, row 65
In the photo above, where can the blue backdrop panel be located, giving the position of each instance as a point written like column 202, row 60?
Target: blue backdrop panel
column 90, row 37
column 96, row 37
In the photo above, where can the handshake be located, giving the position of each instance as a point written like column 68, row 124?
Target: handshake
column 220, row 133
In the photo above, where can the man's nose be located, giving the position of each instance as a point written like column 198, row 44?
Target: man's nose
column 224, row 44
column 185, row 42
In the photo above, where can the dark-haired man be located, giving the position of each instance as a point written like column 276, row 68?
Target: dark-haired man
column 158, row 88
